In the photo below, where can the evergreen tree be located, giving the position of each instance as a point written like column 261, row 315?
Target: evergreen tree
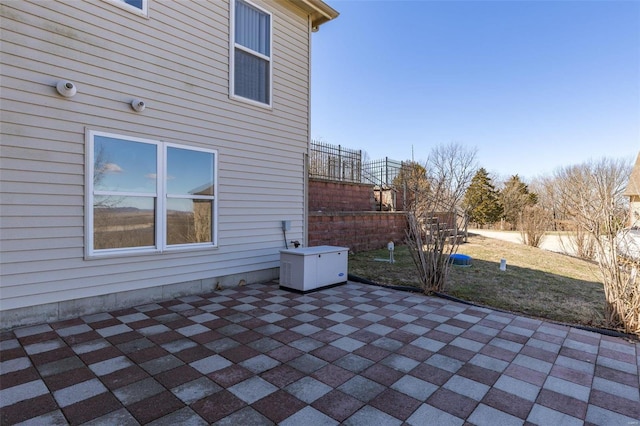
column 481, row 200
column 515, row 196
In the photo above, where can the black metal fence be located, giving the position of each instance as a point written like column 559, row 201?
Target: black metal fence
column 335, row 162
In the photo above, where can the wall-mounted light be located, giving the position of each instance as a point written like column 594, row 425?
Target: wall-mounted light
column 66, row 88
column 138, row 105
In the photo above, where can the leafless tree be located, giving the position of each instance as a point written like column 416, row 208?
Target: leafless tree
column 534, row 222
column 591, row 194
column 434, row 230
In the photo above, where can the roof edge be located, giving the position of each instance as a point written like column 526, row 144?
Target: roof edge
column 318, row 10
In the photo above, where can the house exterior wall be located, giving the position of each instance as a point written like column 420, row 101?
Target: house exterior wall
column 177, row 60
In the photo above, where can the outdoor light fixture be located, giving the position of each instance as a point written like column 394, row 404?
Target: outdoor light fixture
column 66, row 88
column 138, row 105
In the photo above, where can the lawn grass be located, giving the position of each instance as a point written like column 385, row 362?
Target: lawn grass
column 536, row 282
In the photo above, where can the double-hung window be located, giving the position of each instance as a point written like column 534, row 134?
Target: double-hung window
column 139, row 6
column 251, row 64
column 148, row 196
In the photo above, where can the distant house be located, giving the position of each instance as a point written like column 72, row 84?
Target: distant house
column 113, row 111
column 633, row 192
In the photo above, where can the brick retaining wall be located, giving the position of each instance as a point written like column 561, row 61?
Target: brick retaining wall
column 359, row 231
column 340, row 196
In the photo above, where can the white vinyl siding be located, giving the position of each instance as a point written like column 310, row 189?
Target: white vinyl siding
column 177, row 61
column 137, row 6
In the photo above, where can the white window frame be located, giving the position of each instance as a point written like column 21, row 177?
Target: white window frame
column 160, row 196
column 126, row 6
column 232, row 51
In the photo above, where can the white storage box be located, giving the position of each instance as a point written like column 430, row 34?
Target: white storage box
column 310, row 268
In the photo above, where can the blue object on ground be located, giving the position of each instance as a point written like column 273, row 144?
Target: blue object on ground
column 460, row 259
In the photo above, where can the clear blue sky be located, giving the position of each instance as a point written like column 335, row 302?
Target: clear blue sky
column 533, row 85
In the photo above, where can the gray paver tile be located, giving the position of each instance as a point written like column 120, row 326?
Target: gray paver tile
column 15, row 364
column 194, row 390
column 38, row 348
column 24, row 391
column 308, row 389
column 32, row 330
column 119, row 417
column 601, row 416
column 260, row 363
column 309, row 416
column 103, row 368
column 624, row 391
column 489, row 363
column 568, row 388
column 52, row 418
column 467, row 387
column 546, row 416
column 72, row 331
column 361, row 388
column 368, row 416
column 252, row 389
column 484, row 415
column 517, row 387
column 210, row 364
column 114, row 330
column 138, row 391
column 414, row 387
column 434, row 415
column 78, row 392
column 446, row 363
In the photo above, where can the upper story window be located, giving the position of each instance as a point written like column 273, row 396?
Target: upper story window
column 146, row 196
column 139, row 6
column 251, row 63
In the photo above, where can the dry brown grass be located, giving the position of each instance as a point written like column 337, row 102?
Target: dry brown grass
column 538, row 283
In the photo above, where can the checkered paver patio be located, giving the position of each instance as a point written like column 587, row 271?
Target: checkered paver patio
column 353, row 355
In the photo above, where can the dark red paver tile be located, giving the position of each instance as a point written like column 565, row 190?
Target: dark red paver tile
column 68, row 378
column 476, row 336
column 66, row 323
column 401, row 336
column 571, row 375
column 91, row 408
column 615, row 403
column 155, row 407
column 207, row 337
column 440, row 336
column 76, row 339
column 193, row 354
column 374, row 353
column 247, row 336
column 27, row 409
column 395, row 404
column 124, row 377
column 282, row 375
column 479, row 374
column 551, row 338
column 124, row 311
column 285, row 353
column 563, row 403
column 414, row 352
column 326, row 336
column 616, row 375
column 507, row 402
column 179, row 323
column 38, row 338
column 105, row 323
column 178, row 376
column 333, row 375
column 8, row 354
column 526, row 374
column 577, row 354
column 147, row 354
column 278, row 405
column 616, row 355
column 239, row 353
column 337, row 405
column 328, row 353
column 9, row 380
column 50, row 356
column 452, row 402
column 456, row 352
column 323, row 323
column 382, row 374
column 498, row 352
column 458, row 323
column 165, row 337
column 230, row 376
column 538, row 353
column 124, row 337
column 100, row 355
column 431, row 374
column 217, row 406
column 137, row 325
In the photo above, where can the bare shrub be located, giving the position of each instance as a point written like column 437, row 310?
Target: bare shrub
column 433, row 233
column 592, row 195
column 534, row 222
